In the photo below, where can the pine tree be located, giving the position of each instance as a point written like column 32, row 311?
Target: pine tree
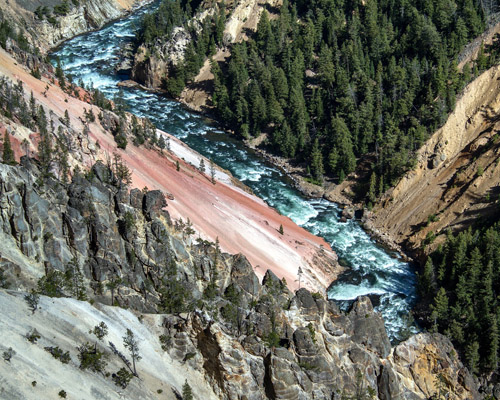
column 60, row 75
column 112, row 285
column 426, row 280
column 45, row 155
column 121, row 171
column 439, row 309
column 212, row 172
column 8, row 153
column 130, row 342
column 61, row 155
column 491, row 362
column 67, row 121
column 472, row 356
column 161, row 142
column 32, row 106
column 317, row 162
column 187, row 392
column 372, row 189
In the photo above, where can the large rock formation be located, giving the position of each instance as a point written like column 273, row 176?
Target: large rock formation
column 82, row 17
column 457, row 175
column 242, row 339
column 153, row 62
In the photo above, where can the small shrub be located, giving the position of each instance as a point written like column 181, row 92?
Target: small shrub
column 62, row 394
column 91, row 358
column 432, row 218
column 33, row 336
column 8, row 354
column 59, row 354
column 122, row 378
column 159, row 391
column 307, row 366
column 312, row 332
column 36, row 73
column 101, row 330
column 4, row 284
column 129, row 220
column 53, row 283
column 430, row 237
column 273, row 339
column 32, row 299
column 316, row 295
column 33, row 383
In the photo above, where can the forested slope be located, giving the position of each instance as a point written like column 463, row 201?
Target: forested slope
column 330, row 83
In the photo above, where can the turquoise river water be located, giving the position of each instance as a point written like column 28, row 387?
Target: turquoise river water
column 372, row 271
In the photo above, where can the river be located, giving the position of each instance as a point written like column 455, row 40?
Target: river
column 372, row 271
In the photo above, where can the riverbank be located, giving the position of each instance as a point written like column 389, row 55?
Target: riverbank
column 340, row 194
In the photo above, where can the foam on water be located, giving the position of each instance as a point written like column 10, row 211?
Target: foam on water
column 373, row 271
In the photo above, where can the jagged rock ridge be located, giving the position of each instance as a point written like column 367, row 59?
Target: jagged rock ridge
column 247, row 340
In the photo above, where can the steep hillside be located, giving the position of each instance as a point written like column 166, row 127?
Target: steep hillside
column 243, row 222
column 455, row 182
column 48, row 29
column 154, row 62
column 212, row 322
column 218, row 365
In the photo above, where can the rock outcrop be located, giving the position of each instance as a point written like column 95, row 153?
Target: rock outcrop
column 243, row 339
column 87, row 15
column 153, row 62
column 457, row 175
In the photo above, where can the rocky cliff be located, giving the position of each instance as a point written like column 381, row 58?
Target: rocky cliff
column 229, row 335
column 457, row 175
column 243, row 222
column 152, row 63
column 83, row 16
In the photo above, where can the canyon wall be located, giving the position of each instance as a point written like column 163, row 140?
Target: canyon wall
column 86, row 16
column 456, row 180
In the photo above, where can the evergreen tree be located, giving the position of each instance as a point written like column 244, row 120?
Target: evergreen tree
column 61, row 157
column 161, row 142
column 317, row 169
column 130, row 342
column 45, row 155
column 372, row 191
column 121, row 171
column 439, row 313
column 187, row 392
column 8, row 153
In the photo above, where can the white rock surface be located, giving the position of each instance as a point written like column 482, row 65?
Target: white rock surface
column 66, row 323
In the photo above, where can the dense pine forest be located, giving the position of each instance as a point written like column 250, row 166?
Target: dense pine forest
column 460, row 285
column 333, row 80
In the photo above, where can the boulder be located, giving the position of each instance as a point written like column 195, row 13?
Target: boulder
column 153, row 203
